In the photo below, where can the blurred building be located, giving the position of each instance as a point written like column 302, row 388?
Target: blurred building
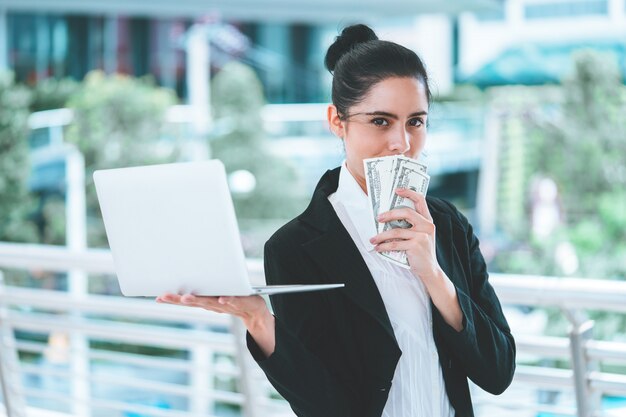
column 43, row 38
column 530, row 41
column 285, row 46
column 486, row 42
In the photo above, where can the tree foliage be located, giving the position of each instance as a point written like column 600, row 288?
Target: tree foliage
column 53, row 93
column 591, row 131
column 584, row 151
column 16, row 205
column 237, row 102
column 578, row 139
column 117, row 123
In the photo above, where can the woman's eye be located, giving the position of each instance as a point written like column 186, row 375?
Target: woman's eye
column 416, row 122
column 380, row 122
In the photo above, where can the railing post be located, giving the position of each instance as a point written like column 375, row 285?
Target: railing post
column 10, row 378
column 581, row 332
column 76, row 231
column 246, row 383
column 202, row 378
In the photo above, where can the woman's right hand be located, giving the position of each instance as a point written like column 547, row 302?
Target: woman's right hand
column 252, row 310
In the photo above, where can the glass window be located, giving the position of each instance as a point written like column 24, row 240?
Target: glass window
column 566, row 9
column 490, row 15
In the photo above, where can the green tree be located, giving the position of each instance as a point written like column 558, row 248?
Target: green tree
column 50, row 94
column 16, row 205
column 237, row 100
column 578, row 138
column 591, row 131
column 117, row 123
column 53, row 93
column 584, row 151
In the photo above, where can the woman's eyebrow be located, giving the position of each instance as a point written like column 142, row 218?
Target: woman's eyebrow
column 393, row 116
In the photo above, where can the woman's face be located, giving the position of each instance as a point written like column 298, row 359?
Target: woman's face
column 390, row 120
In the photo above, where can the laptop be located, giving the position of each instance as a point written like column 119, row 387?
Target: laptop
column 172, row 228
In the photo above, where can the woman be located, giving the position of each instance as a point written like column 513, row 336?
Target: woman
column 393, row 342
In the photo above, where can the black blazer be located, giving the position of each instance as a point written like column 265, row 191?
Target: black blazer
column 336, row 352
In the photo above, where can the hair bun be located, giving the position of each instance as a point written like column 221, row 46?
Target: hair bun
column 350, row 37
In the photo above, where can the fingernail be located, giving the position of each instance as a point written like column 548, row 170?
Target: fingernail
column 372, row 240
column 221, row 300
column 380, row 217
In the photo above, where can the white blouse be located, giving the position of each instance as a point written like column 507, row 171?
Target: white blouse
column 417, row 388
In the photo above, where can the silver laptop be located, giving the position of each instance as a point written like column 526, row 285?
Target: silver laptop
column 172, row 228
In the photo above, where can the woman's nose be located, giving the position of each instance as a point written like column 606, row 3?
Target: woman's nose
column 400, row 142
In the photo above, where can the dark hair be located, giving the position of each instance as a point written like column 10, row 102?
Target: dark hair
column 358, row 60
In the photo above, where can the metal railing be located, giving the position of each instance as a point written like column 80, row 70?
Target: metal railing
column 206, row 338
column 210, row 347
column 574, row 297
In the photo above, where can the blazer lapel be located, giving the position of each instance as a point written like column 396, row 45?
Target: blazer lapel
column 335, row 252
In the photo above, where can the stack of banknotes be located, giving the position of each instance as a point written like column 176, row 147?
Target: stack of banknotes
column 383, row 176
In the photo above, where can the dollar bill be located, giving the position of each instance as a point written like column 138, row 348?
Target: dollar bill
column 383, row 175
column 374, row 169
column 417, row 165
column 380, row 176
column 397, row 257
column 413, row 179
column 386, row 172
column 401, row 162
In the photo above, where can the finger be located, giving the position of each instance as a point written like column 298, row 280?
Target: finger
column 180, row 303
column 207, row 302
column 222, row 304
column 397, row 233
column 395, row 245
column 230, row 304
column 225, row 300
column 169, row 297
column 238, row 302
column 190, row 297
column 226, row 304
column 403, row 213
column 418, row 199
column 189, row 300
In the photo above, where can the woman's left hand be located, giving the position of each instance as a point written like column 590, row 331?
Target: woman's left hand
column 418, row 241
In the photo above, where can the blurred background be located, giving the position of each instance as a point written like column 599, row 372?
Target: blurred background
column 527, row 137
